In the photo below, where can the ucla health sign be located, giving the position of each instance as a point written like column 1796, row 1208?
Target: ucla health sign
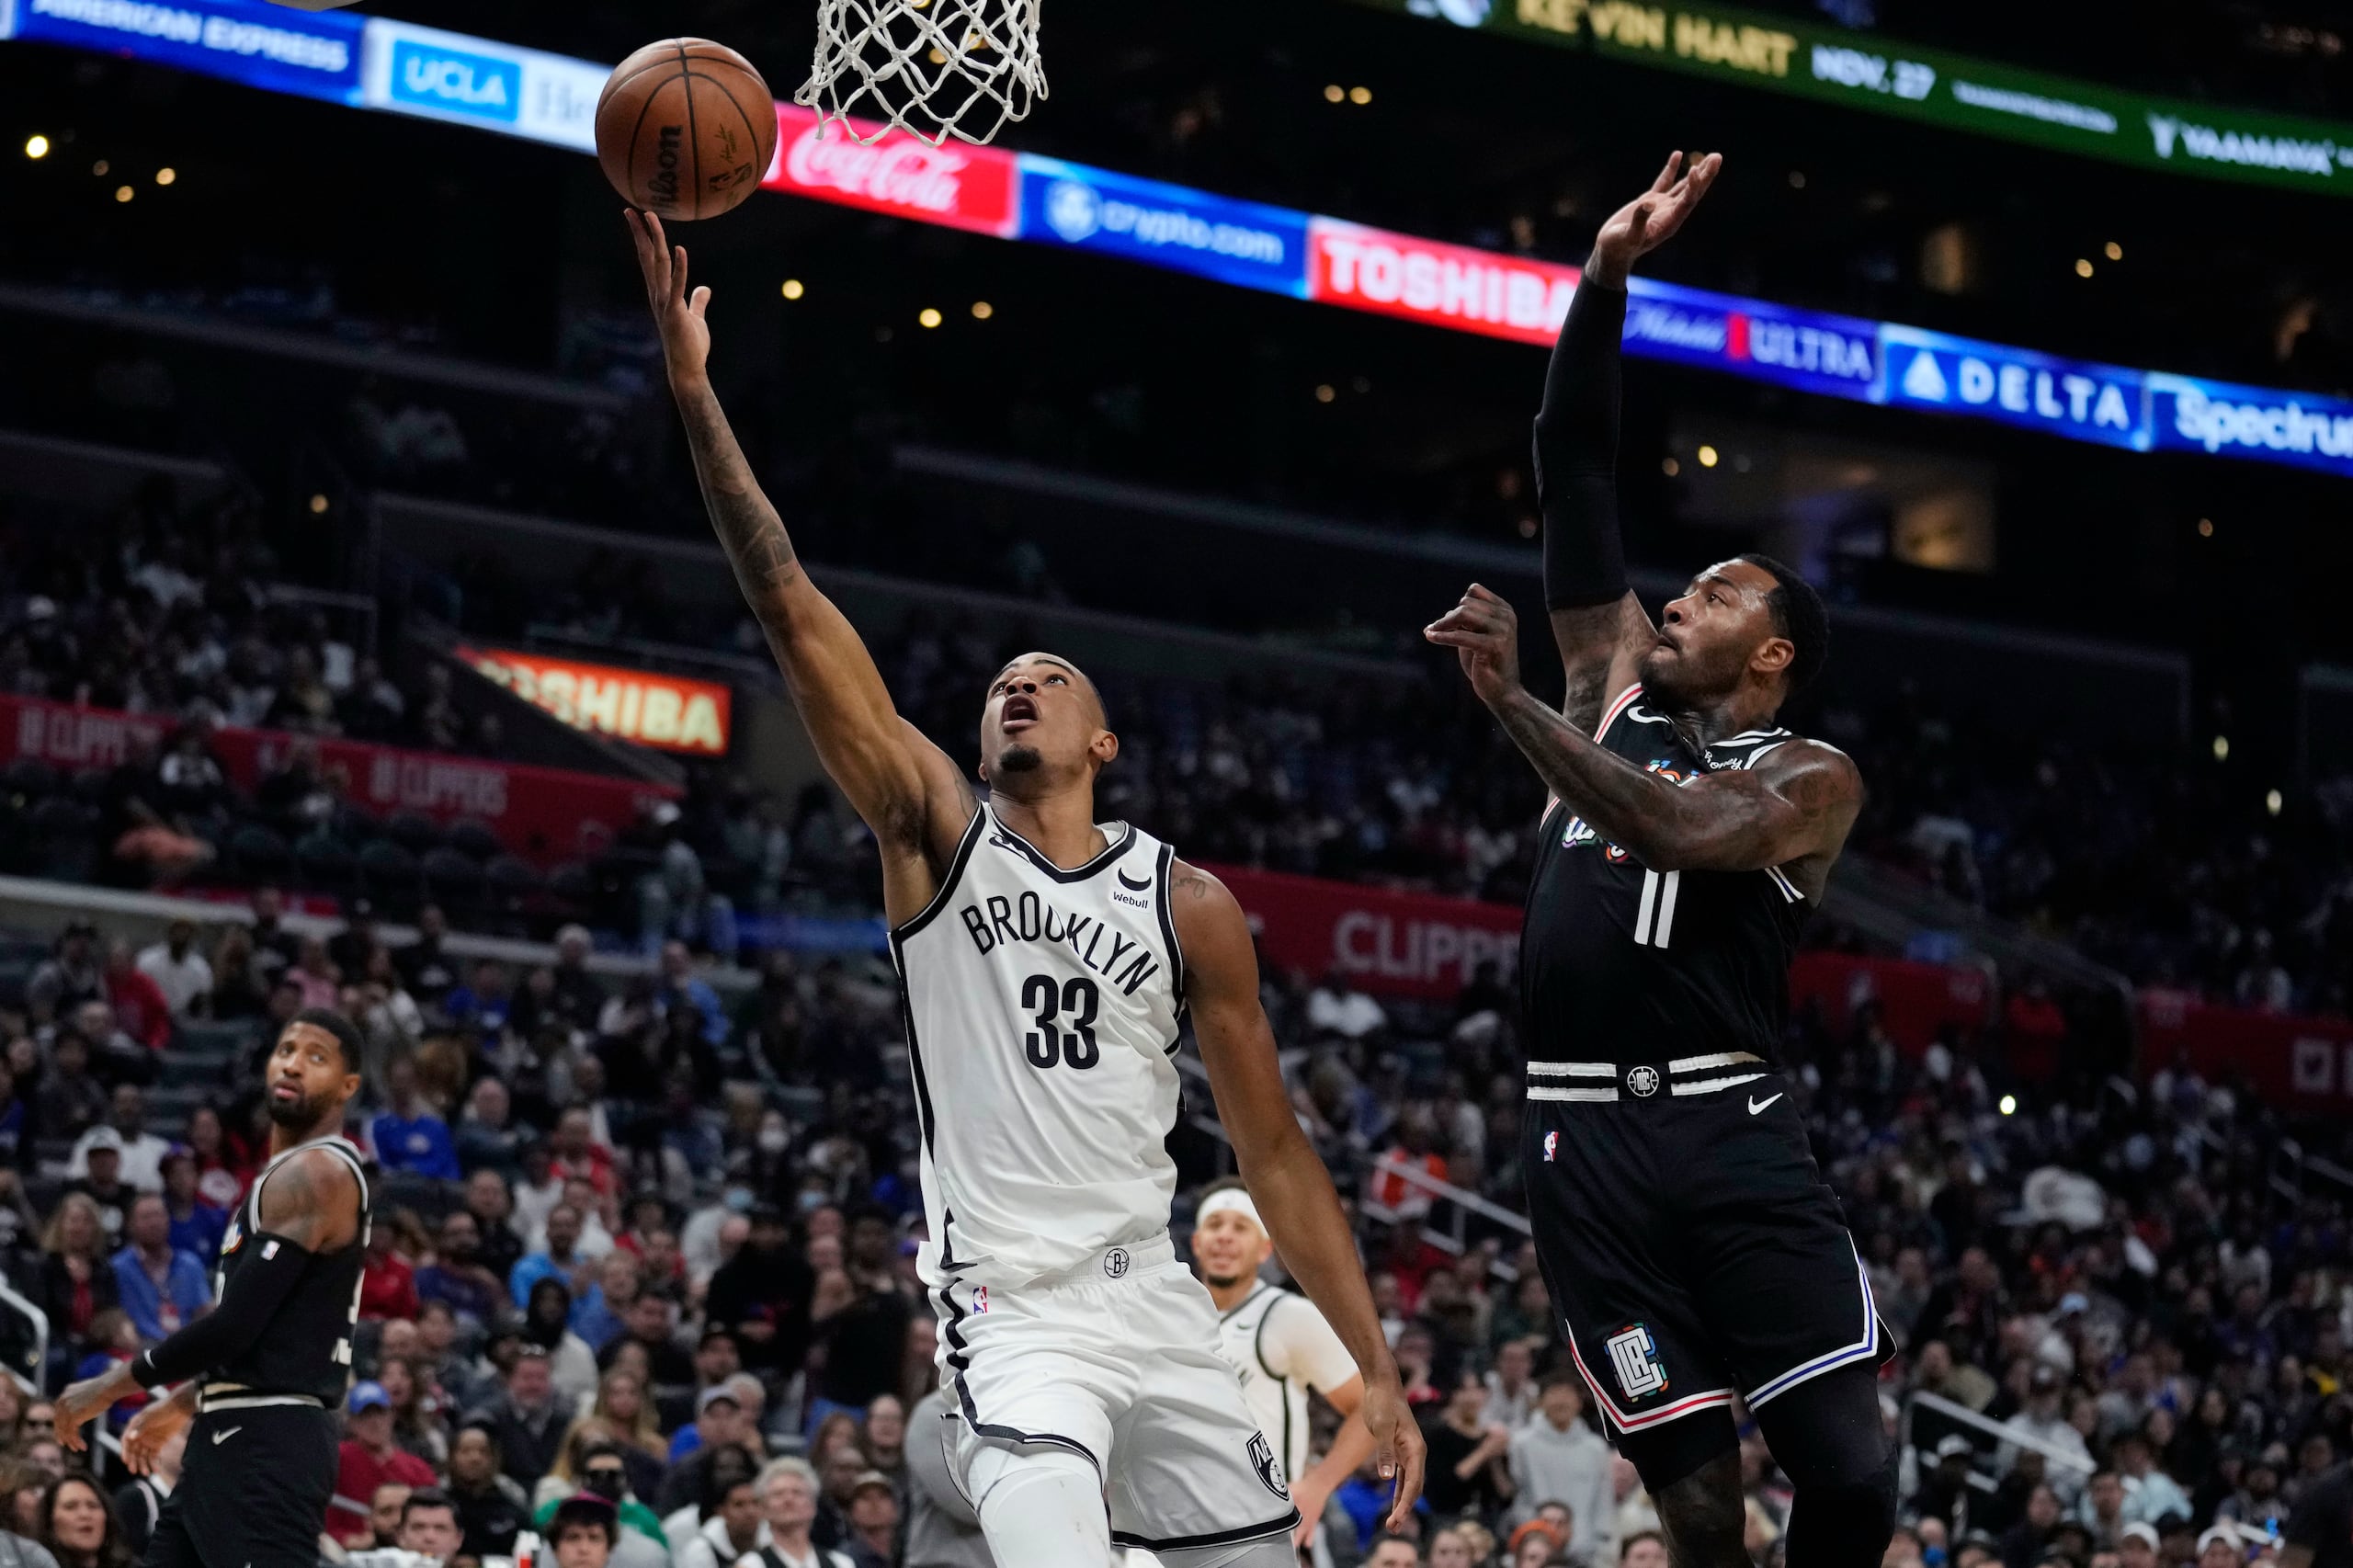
column 472, row 81
column 1167, row 226
column 243, row 40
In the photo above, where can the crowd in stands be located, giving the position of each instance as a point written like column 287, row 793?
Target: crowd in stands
column 651, row 1245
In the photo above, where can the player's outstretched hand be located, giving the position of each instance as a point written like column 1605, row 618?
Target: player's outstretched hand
column 75, row 1408
column 152, row 1430
column 685, row 339
column 1398, row 1452
column 1483, row 632
column 1650, row 219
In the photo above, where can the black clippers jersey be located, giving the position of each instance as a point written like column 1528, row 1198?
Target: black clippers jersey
column 306, row 1349
column 1619, row 963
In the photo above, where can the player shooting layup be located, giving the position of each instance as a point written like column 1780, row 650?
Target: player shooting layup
column 1047, row 962
column 1684, row 1231
column 264, row 1369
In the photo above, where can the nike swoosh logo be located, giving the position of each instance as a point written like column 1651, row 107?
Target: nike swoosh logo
column 1133, row 886
column 221, row 1437
column 1756, row 1105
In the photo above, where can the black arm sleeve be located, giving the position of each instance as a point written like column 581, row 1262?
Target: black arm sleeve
column 1576, row 455
column 251, row 1298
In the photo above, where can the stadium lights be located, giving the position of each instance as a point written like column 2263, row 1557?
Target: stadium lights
column 2083, row 266
column 1359, row 95
column 99, row 168
column 318, row 505
column 36, row 146
column 1670, row 468
column 2222, row 748
column 1797, row 179
column 1707, row 457
column 983, row 310
column 2272, row 802
column 792, row 289
column 2009, row 1105
column 928, row 317
column 2205, row 527
column 1326, row 394
column 2115, row 252
column 123, row 193
column 1333, row 93
column 166, row 177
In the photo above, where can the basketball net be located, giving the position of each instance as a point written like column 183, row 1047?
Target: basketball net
column 933, row 68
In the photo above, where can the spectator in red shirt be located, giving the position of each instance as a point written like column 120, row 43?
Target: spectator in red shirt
column 141, row 1010
column 578, row 1155
column 368, row 1458
column 387, row 1283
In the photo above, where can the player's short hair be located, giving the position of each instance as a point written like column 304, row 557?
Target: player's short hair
column 428, row 1497
column 1797, row 615
column 345, row 1033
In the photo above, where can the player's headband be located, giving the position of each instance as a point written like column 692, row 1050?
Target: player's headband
column 1231, row 1200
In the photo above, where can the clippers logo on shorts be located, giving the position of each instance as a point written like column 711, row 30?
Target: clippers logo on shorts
column 1115, row 1263
column 1643, row 1082
column 1262, row 1460
column 1551, row 1146
column 1635, row 1360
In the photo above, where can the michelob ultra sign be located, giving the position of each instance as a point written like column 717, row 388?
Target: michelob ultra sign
column 669, row 712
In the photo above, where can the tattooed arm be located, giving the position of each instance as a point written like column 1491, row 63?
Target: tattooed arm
column 914, row 799
column 1286, row 1179
column 1793, row 809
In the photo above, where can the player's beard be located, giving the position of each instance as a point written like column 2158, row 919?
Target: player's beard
column 295, row 1114
column 1222, row 1281
column 1018, row 758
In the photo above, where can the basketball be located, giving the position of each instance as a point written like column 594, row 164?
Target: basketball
column 686, row 129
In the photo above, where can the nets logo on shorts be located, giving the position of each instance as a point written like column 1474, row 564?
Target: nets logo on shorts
column 1634, row 1358
column 1262, row 1460
column 1115, row 1263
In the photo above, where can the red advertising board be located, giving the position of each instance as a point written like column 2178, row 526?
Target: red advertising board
column 668, row 712
column 957, row 186
column 1401, row 944
column 1441, row 285
column 1915, row 1000
column 2305, row 1064
column 544, row 814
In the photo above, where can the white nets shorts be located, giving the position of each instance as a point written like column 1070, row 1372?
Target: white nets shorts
column 1116, row 1360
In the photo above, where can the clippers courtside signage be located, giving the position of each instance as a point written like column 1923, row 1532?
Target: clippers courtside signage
column 1931, row 86
column 1399, row 944
column 666, row 711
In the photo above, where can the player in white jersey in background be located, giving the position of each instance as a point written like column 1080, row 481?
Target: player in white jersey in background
column 1281, row 1348
column 1047, row 962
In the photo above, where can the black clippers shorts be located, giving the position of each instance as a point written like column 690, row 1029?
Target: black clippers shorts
column 1688, row 1238
column 252, row 1490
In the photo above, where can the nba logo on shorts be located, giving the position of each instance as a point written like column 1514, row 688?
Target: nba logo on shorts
column 979, row 1299
column 1115, row 1263
column 1551, row 1146
column 1635, row 1360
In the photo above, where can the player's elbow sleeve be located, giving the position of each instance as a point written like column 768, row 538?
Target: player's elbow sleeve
column 248, row 1302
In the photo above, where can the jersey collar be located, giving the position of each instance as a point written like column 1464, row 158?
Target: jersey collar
column 1119, row 844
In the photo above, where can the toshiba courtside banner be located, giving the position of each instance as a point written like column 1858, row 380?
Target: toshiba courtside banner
column 458, row 79
column 666, row 711
column 1832, row 64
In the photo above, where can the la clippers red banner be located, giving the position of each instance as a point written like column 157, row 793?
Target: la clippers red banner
column 957, row 186
column 544, row 814
column 2305, row 1063
column 1915, row 1000
column 1401, row 944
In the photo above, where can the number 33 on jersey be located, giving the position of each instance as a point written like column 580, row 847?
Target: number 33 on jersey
column 1041, row 1015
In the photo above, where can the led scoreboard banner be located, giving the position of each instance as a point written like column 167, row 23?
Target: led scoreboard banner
column 375, row 63
column 1930, row 86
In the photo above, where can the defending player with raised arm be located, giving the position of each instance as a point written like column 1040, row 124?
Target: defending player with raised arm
column 1726, row 657
column 1685, row 1233
column 1044, row 1106
column 260, row 1374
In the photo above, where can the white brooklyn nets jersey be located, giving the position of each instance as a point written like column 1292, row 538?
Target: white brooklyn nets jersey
column 1280, row 1347
column 1041, row 1013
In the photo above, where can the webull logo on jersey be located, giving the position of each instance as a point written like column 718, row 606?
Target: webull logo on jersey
column 1579, row 832
column 1000, row 922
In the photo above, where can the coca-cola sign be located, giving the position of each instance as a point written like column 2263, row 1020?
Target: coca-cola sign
column 960, row 187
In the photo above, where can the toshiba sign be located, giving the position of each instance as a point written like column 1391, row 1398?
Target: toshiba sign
column 671, row 712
